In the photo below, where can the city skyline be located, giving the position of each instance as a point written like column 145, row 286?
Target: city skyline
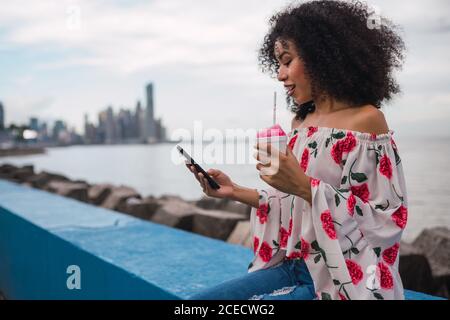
column 202, row 56
column 124, row 126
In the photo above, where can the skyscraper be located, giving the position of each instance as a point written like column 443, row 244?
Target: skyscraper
column 2, row 118
column 149, row 116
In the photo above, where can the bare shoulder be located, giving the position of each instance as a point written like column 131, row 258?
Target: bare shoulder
column 370, row 119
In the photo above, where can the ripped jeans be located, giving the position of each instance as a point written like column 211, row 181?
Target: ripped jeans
column 289, row 280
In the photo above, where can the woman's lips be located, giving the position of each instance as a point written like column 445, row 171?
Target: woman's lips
column 290, row 92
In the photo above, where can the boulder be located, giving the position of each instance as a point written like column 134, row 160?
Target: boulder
column 184, row 215
column 7, row 168
column 415, row 270
column 141, row 208
column 41, row 179
column 241, row 234
column 238, row 207
column 175, row 213
column 23, row 174
column 167, row 197
column 77, row 191
column 99, row 192
column 7, row 171
column 434, row 243
column 209, row 203
column 116, row 199
column 216, row 224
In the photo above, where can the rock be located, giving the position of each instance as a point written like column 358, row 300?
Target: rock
column 7, row 171
column 116, row 199
column 99, row 192
column 208, row 203
column 23, row 174
column 415, row 270
column 41, row 179
column 141, row 208
column 215, row 223
column 435, row 245
column 166, row 197
column 77, row 191
column 175, row 213
column 7, row 168
column 224, row 204
column 237, row 207
column 241, row 234
column 183, row 215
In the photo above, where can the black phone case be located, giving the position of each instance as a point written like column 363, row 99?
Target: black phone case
column 210, row 180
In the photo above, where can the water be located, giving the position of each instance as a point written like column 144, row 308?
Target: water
column 150, row 170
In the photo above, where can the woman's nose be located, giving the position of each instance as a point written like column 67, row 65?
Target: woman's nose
column 282, row 74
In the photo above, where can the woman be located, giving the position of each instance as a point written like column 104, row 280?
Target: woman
column 330, row 225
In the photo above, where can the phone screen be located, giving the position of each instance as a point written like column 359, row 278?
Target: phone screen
column 211, row 181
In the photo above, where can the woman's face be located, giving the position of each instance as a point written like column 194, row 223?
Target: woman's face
column 292, row 72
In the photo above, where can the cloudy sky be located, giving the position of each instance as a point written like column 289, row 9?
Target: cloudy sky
column 64, row 58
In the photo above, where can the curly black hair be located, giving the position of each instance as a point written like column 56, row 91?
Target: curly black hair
column 345, row 56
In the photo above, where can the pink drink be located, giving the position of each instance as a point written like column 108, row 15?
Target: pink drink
column 275, row 136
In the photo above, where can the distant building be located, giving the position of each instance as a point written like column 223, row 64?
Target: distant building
column 2, row 117
column 111, row 130
column 150, row 124
column 59, row 130
column 34, row 124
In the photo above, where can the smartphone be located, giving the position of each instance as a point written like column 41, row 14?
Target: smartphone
column 211, row 181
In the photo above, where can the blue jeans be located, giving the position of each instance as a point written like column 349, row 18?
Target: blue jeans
column 289, row 280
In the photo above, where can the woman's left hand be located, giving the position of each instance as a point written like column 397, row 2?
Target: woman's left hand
column 283, row 172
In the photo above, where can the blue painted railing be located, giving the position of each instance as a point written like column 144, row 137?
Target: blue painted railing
column 53, row 247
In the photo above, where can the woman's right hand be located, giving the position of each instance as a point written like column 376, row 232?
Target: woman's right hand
column 226, row 185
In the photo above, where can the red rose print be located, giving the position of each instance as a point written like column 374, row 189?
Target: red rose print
column 400, row 217
column 361, row 192
column 342, row 296
column 292, row 142
column 355, row 271
column 303, row 253
column 255, row 244
column 314, row 182
column 386, row 167
column 311, row 131
column 327, row 224
column 351, row 202
column 265, row 252
column 284, row 235
column 304, row 248
column 348, row 143
column 290, row 226
column 294, row 255
column 386, row 281
column 373, row 137
column 390, row 254
column 305, row 159
column 345, row 145
column 336, row 152
column 263, row 213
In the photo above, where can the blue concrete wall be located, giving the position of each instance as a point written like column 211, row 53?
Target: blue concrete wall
column 120, row 257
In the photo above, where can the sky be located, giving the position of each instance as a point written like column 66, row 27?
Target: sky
column 61, row 59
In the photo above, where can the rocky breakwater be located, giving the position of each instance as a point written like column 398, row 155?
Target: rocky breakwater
column 209, row 217
column 424, row 263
